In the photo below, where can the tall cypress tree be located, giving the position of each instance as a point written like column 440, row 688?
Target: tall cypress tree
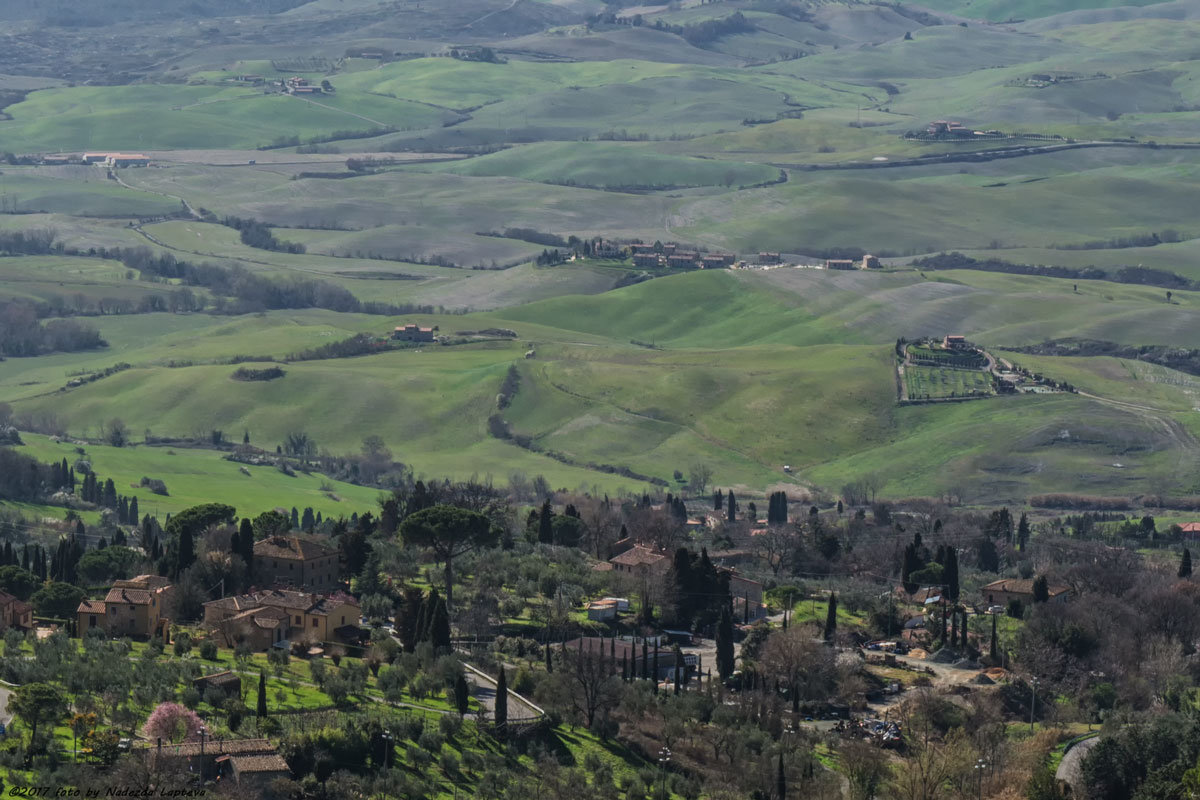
column 1185, row 564
column 718, row 500
column 831, row 618
column 731, row 502
column 501, row 701
column 546, row 524
column 462, row 694
column 134, row 515
column 992, row 648
column 780, row 780
column 261, row 709
column 950, row 574
column 725, row 661
column 1023, row 532
column 439, row 627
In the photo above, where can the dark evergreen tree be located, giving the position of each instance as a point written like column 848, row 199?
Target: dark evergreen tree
column 718, row 500
column 439, row 627
column 731, row 504
column 307, row 520
column 134, row 515
column 780, row 780
column 110, row 494
column 1023, row 532
column 408, row 619
column 546, row 524
column 831, row 619
column 549, row 658
column 261, row 708
column 725, row 661
column 295, row 519
column 950, row 574
column 678, row 670
column 462, row 694
column 501, row 713
column 1185, row 564
column 1041, row 589
column 186, row 553
column 992, row 648
column 989, row 557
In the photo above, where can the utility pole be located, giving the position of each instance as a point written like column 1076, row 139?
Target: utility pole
column 1032, row 701
column 980, row 766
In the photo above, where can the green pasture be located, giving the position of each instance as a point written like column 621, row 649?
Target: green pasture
column 607, row 164
column 195, row 476
column 78, row 191
column 164, row 117
column 931, row 383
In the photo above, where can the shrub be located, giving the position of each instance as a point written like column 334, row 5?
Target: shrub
column 183, row 644
column 208, row 650
column 154, row 485
column 450, row 725
column 190, row 697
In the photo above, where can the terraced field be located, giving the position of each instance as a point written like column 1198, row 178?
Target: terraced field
column 935, row 383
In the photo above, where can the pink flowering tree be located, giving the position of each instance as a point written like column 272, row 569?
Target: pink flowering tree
column 173, row 723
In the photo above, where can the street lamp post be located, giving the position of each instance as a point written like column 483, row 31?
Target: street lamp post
column 203, row 736
column 980, row 766
column 387, row 748
column 664, row 758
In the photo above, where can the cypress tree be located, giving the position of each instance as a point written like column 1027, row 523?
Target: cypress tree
column 545, row 524
column 1023, row 532
column 1185, row 564
column 831, row 618
column 678, row 654
column 950, row 574
column 992, row 648
column 134, row 514
column 501, row 700
column 725, row 661
column 549, row 658
column 780, row 780
column 246, row 542
column 261, row 709
column 655, row 675
column 731, row 502
column 645, row 660
column 462, row 694
column 439, row 627
column 187, row 551
column 718, row 500
column 295, row 518
column 1041, row 589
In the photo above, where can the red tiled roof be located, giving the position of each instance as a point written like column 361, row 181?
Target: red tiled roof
column 293, row 547
column 637, row 556
column 91, row 607
column 272, row 762
column 138, row 597
column 1190, row 527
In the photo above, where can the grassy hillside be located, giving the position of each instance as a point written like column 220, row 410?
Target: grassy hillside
column 203, row 476
column 608, row 164
column 76, row 191
column 747, row 372
column 145, row 116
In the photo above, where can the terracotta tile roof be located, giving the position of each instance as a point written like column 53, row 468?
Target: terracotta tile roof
column 91, row 607
column 258, row 602
column 1021, row 586
column 272, row 762
column 1190, row 527
column 219, row 678
column 148, row 582
column 638, row 556
column 138, row 597
column 216, row 747
column 293, row 547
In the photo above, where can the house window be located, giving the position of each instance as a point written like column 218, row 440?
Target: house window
column 297, row 620
column 343, row 620
column 314, row 623
column 92, row 621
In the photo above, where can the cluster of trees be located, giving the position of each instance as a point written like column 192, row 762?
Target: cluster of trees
column 1144, row 276
column 23, row 334
column 258, row 234
column 696, row 593
column 708, row 31
column 777, row 508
